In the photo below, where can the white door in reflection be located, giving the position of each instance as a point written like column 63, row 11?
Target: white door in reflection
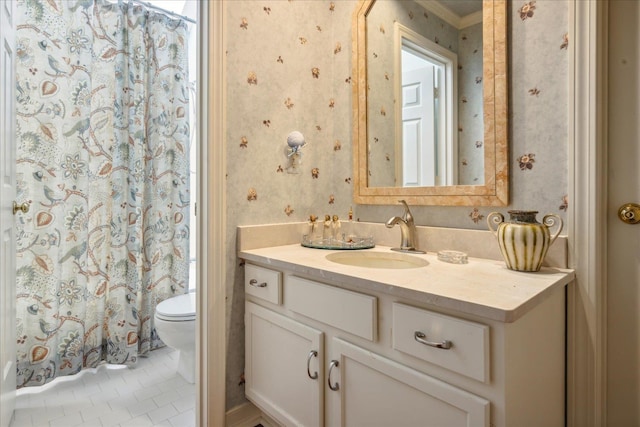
column 419, row 121
column 426, row 114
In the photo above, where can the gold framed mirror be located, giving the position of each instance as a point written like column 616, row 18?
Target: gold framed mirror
column 385, row 147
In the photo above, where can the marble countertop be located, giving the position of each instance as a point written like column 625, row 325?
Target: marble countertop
column 484, row 288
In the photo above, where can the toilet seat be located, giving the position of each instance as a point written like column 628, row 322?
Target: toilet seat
column 181, row 308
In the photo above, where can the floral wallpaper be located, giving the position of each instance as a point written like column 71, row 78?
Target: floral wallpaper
column 470, row 102
column 289, row 68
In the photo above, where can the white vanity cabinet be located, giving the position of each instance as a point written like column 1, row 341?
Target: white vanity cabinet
column 283, row 367
column 372, row 390
column 325, row 353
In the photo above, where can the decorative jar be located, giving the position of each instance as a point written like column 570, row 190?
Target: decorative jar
column 523, row 241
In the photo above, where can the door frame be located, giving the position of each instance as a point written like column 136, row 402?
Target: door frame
column 211, row 220
column 587, row 229
column 7, row 214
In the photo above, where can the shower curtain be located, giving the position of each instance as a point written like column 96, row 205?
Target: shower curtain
column 103, row 159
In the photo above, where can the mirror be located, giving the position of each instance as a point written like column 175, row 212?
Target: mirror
column 430, row 102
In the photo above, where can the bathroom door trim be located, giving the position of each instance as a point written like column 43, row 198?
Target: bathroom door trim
column 587, row 150
column 211, row 219
column 7, row 214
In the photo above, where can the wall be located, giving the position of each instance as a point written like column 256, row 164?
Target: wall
column 289, row 68
column 470, row 111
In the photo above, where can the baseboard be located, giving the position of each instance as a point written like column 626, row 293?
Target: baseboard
column 248, row 415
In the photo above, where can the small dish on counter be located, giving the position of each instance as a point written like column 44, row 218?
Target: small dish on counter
column 453, row 257
column 349, row 243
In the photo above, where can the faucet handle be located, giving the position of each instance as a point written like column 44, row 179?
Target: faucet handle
column 407, row 212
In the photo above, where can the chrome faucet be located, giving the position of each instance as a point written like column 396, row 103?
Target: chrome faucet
column 407, row 231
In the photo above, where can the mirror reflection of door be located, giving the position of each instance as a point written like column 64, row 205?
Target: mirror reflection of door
column 420, row 136
column 426, row 143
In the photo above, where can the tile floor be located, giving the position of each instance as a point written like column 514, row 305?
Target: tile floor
column 149, row 394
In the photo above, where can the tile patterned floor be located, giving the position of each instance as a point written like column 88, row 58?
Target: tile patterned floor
column 150, row 394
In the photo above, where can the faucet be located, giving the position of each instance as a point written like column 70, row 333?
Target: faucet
column 407, row 231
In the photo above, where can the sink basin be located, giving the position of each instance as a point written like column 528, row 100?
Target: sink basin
column 377, row 260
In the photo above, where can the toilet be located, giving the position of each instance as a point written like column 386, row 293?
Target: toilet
column 175, row 322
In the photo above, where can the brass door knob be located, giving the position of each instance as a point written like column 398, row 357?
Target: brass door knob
column 629, row 213
column 24, row 208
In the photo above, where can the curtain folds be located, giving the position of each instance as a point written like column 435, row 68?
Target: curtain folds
column 103, row 157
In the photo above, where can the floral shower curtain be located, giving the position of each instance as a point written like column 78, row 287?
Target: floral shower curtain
column 103, row 158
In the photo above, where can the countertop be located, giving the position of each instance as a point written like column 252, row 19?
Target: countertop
column 485, row 288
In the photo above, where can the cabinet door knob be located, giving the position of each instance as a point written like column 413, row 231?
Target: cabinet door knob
column 422, row 339
column 314, row 376
column 254, row 282
column 335, row 387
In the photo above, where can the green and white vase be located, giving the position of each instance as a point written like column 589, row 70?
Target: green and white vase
column 523, row 241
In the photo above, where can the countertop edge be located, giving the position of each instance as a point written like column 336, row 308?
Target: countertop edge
column 445, row 302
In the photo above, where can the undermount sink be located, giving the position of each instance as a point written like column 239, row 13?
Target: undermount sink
column 377, row 260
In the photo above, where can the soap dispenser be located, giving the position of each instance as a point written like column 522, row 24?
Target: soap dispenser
column 348, row 229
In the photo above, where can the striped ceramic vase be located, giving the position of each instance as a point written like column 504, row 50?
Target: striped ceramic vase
column 523, row 241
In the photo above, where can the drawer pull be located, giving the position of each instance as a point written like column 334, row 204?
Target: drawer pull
column 421, row 338
column 254, row 282
column 331, row 365
column 312, row 353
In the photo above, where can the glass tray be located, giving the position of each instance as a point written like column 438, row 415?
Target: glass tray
column 352, row 243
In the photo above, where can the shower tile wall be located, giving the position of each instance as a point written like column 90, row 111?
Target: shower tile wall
column 289, row 68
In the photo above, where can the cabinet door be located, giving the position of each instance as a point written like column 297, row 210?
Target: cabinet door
column 284, row 367
column 376, row 391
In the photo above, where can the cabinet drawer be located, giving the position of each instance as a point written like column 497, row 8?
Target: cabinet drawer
column 352, row 312
column 263, row 283
column 418, row 332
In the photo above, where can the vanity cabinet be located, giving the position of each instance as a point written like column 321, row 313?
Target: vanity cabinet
column 283, row 367
column 321, row 353
column 372, row 390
